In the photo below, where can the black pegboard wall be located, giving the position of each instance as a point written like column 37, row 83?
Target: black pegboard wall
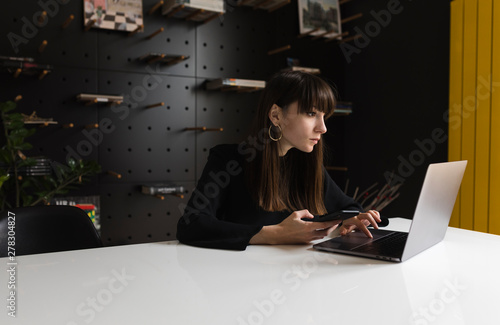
column 145, row 145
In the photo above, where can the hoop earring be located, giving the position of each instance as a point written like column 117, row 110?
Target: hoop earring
column 271, row 137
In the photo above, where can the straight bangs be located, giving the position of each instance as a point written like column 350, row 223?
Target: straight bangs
column 317, row 94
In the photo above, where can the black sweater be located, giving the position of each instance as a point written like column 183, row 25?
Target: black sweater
column 221, row 212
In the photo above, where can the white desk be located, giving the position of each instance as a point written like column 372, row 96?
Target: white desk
column 455, row 282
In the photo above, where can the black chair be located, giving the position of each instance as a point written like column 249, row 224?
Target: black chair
column 46, row 229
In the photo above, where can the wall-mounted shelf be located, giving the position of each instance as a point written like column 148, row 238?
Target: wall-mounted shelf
column 168, row 59
column 232, row 84
column 343, row 108
column 91, row 99
column 195, row 10
column 269, row 5
column 34, row 119
column 304, row 69
column 160, row 190
column 27, row 66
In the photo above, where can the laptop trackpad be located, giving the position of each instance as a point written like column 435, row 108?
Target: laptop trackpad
column 354, row 239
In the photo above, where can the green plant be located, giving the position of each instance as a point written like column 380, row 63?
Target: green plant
column 18, row 190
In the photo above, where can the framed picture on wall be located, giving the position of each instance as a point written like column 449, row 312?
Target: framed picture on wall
column 320, row 17
column 125, row 15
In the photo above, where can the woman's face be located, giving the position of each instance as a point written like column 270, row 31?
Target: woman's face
column 301, row 130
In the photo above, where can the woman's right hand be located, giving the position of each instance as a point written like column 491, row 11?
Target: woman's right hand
column 294, row 230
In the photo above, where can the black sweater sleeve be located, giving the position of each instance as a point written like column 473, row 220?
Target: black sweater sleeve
column 336, row 199
column 202, row 224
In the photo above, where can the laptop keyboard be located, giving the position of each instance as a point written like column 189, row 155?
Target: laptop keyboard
column 391, row 245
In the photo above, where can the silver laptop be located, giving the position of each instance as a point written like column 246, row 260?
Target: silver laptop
column 430, row 220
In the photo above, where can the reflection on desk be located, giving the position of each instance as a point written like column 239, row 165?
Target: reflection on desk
column 454, row 282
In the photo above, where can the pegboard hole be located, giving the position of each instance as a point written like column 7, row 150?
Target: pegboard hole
column 186, row 108
column 129, row 171
column 222, row 110
column 222, row 47
column 130, row 127
column 186, row 170
column 149, row 128
column 130, row 83
column 186, row 42
column 168, row 107
column 86, row 55
column 168, row 40
column 149, row 171
column 108, row 57
column 109, row 149
column 204, row 109
column 186, row 150
column 186, row 87
column 168, row 128
column 149, row 149
column 186, row 65
column 221, row 69
column 204, row 44
column 63, row 53
column 149, row 235
column 129, row 149
column 149, row 214
column 130, row 216
column 109, row 82
column 168, row 234
column 168, row 170
column 168, row 86
column 168, row 213
column 168, row 149
column 204, row 67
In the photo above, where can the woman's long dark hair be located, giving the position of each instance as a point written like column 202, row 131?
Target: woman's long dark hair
column 295, row 181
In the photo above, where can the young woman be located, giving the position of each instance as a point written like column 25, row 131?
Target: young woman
column 261, row 190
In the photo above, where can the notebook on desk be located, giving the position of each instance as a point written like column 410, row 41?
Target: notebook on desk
column 430, row 220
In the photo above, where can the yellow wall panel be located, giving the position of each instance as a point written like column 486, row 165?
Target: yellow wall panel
column 468, row 113
column 483, row 105
column 474, row 124
column 494, row 217
column 455, row 111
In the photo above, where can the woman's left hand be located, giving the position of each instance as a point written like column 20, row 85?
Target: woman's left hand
column 361, row 221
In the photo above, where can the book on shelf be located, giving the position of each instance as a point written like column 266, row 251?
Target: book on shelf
column 89, row 204
column 343, row 108
column 233, row 82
